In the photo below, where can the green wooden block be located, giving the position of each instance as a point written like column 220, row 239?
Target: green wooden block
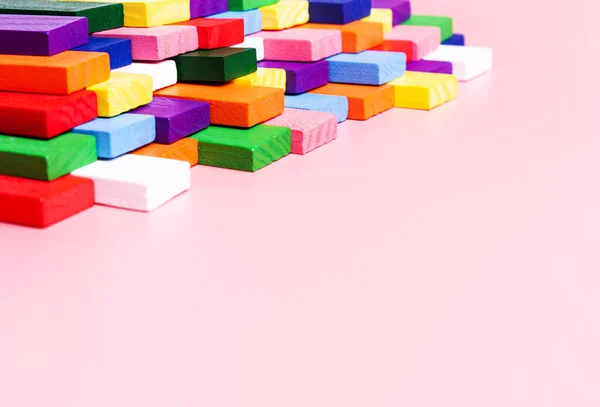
column 243, row 149
column 45, row 159
column 445, row 24
column 215, row 65
column 243, row 5
column 101, row 16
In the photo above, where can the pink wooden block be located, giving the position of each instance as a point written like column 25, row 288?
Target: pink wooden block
column 156, row 43
column 426, row 39
column 310, row 129
column 301, row 44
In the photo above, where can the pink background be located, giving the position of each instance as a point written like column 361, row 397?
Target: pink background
column 424, row 259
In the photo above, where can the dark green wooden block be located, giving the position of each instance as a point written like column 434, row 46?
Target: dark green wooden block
column 45, row 159
column 243, row 149
column 101, row 16
column 215, row 65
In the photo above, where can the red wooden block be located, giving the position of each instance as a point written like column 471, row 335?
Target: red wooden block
column 408, row 47
column 217, row 32
column 45, row 116
column 41, row 203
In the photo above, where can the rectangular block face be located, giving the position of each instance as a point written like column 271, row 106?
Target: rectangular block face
column 414, row 41
column 118, row 50
column 300, row 44
column 254, row 42
column 382, row 16
column 366, row 68
column 243, row 149
column 202, row 8
column 430, row 66
column 218, row 65
column 45, row 159
column 137, row 182
column 163, row 73
column 39, row 203
column 176, row 118
column 285, row 14
column 364, row 102
column 401, row 10
column 217, row 32
column 338, row 11
column 444, row 24
column 456, row 39
column 41, row 35
column 252, row 19
column 337, row 105
column 60, row 74
column 268, row 77
column 419, row 90
column 185, row 149
column 243, row 5
column 467, row 62
column 301, row 76
column 122, row 92
column 310, row 129
column 356, row 36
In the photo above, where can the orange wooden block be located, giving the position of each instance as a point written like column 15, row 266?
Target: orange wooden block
column 357, row 36
column 185, row 149
column 60, row 74
column 364, row 101
column 232, row 104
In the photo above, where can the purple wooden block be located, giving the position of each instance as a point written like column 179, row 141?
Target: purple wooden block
column 41, row 35
column 176, row 118
column 430, row 66
column 202, row 8
column 400, row 9
column 301, row 76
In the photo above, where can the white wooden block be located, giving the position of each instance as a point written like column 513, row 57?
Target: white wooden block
column 137, row 182
column 163, row 73
column 467, row 62
column 256, row 43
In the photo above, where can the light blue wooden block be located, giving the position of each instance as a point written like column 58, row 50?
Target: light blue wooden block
column 252, row 19
column 367, row 67
column 121, row 134
column 337, row 105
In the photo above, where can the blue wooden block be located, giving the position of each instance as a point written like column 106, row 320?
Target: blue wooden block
column 456, row 39
column 338, row 11
column 367, row 67
column 337, row 105
column 252, row 19
column 118, row 50
column 120, row 134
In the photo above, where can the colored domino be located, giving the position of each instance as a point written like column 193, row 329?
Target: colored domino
column 137, row 182
column 253, row 42
column 467, row 62
column 422, row 90
column 163, row 73
column 456, row 39
column 301, row 44
column 122, row 92
column 202, row 8
column 243, row 149
column 430, row 66
column 285, row 14
column 269, row 77
column 310, row 129
column 401, row 10
column 118, row 50
column 176, row 118
column 338, row 105
column 45, row 159
column 382, row 16
column 185, row 149
column 301, row 76
column 232, row 104
column 415, row 42
column 119, row 135
column 41, row 204
column 41, row 35
column 243, row 5
column 252, row 19
column 216, row 65
column 444, row 24
column 364, row 102
column 217, row 32
column 366, row 68
column 338, row 11
column 60, row 74
column 356, row 36
column 45, row 116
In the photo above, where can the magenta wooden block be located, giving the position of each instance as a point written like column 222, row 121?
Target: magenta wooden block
column 301, row 76
column 41, row 35
column 430, row 66
column 400, row 9
column 176, row 118
column 202, row 8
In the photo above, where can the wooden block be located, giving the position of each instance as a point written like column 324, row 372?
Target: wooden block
column 176, row 118
column 422, row 90
column 456, row 39
column 156, row 43
column 337, row 105
column 301, row 76
column 443, row 23
column 338, row 11
column 118, row 50
column 217, row 32
column 252, row 19
column 366, row 68
column 203, row 8
column 254, row 42
column 137, row 182
column 285, row 14
column 232, row 104
column 382, row 16
column 415, row 42
column 243, row 5
column 119, row 135
column 45, row 116
column 357, row 36
column 215, row 65
column 430, row 66
column 310, row 129
column 40, row 204
column 268, row 77
column 60, row 74
column 185, row 149
column 45, row 159
column 301, row 44
column 122, row 92
column 243, row 149
column 100, row 17
column 364, row 102
column 163, row 73
column 41, row 35
column 401, row 10
column 467, row 62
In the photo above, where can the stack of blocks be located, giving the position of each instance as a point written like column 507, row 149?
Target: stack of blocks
column 112, row 102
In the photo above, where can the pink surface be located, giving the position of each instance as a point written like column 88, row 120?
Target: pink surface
column 427, row 39
column 301, row 44
column 423, row 259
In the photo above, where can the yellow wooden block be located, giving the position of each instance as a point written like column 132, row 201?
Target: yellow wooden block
column 381, row 15
column 424, row 90
column 266, row 77
column 284, row 14
column 122, row 92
